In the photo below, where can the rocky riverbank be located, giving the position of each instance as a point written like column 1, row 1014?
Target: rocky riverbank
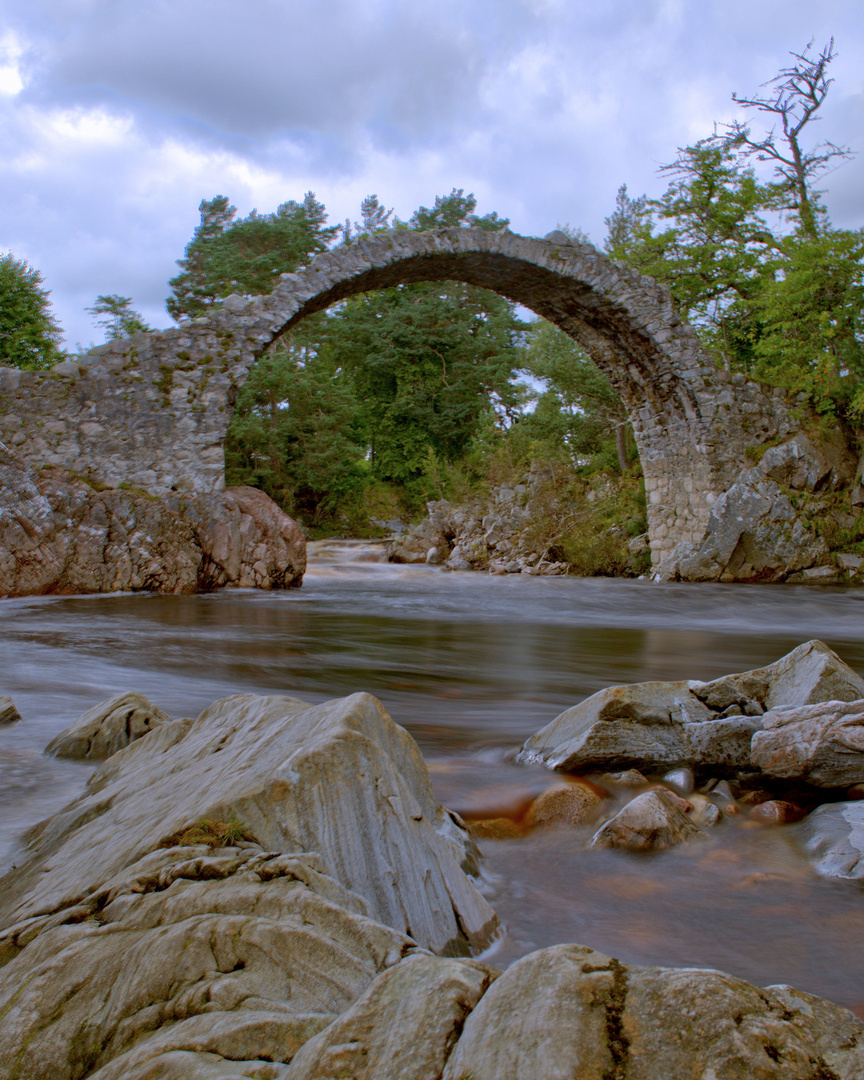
column 60, row 534
column 797, row 515
column 272, row 891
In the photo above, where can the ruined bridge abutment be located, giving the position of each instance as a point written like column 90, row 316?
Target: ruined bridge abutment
column 151, row 411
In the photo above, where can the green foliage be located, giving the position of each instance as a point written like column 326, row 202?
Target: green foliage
column 28, row 331
column 577, row 414
column 295, row 434
column 116, row 316
column 246, row 256
column 812, row 314
column 213, row 832
column 773, row 290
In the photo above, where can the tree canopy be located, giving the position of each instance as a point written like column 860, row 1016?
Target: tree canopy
column 29, row 333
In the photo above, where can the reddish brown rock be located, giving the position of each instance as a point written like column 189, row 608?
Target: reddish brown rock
column 776, row 812
column 652, row 821
column 59, row 534
column 564, row 805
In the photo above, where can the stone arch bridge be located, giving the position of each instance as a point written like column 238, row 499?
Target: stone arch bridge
column 151, row 411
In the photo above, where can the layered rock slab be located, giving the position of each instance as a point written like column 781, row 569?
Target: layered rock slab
column 822, row 744
column 655, row 725
column 340, row 778
column 122, row 957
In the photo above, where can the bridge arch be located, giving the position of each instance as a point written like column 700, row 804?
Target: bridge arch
column 152, row 410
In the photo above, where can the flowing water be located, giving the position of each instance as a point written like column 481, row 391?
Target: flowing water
column 472, row 665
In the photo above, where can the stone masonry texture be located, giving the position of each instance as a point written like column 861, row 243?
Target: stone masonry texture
column 151, row 411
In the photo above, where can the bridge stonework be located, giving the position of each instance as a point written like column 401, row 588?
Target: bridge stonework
column 151, row 411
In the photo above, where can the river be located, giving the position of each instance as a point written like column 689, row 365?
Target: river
column 472, row 665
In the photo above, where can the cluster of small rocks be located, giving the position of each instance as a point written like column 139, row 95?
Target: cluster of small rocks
column 507, row 532
column 778, row 744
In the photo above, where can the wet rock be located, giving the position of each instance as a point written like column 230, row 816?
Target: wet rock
column 704, row 813
column 812, row 672
column 499, row 828
column 403, row 1027
column 655, row 820
column 833, row 837
column 681, row 781
column 629, row 778
column 243, row 967
column 8, row 713
column 700, row 725
column 822, row 743
column 648, row 725
column 568, row 1011
column 130, row 950
column 564, row 805
column 775, row 812
column 107, row 728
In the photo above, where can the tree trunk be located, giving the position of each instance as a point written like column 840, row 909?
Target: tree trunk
column 621, row 446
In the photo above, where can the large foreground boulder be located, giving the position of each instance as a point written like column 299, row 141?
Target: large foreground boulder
column 709, row 725
column 339, row 778
column 568, row 1012
column 59, row 534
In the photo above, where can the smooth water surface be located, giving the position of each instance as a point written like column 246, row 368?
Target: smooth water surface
column 472, row 665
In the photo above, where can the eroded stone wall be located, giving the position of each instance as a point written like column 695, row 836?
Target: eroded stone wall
column 151, row 411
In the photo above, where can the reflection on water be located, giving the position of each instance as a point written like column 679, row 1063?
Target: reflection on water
column 471, row 665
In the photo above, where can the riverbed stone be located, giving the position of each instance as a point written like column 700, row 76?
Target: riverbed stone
column 569, row 1011
column 8, row 713
column 822, row 743
column 108, row 727
column 653, row 821
column 833, row 837
column 564, row 805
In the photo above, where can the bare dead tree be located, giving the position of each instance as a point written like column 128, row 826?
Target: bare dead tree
column 798, row 93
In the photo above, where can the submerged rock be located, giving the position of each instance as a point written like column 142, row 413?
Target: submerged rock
column 833, row 837
column 822, row 743
column 107, row 728
column 653, row 821
column 656, row 725
column 563, row 805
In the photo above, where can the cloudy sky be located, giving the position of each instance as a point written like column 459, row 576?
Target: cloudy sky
column 117, row 118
